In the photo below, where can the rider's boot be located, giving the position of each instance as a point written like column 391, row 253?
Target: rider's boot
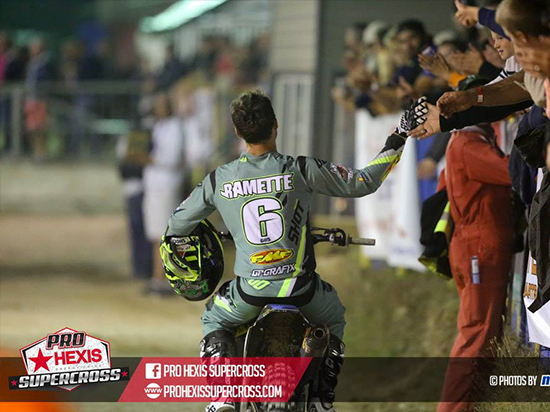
column 220, row 343
column 323, row 399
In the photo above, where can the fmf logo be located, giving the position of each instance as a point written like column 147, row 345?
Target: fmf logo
column 268, row 257
column 66, row 359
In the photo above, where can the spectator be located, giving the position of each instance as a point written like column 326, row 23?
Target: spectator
column 251, row 65
column 206, row 57
column 353, row 37
column 172, row 70
column 469, row 16
column 524, row 24
column 262, row 45
column 146, row 101
column 411, row 39
column 40, row 70
column 224, row 63
column 12, row 69
column 438, row 66
column 133, row 154
column 77, row 66
column 527, row 25
column 472, row 63
column 5, row 46
column 478, row 186
column 427, row 168
column 163, row 180
column 15, row 60
column 378, row 58
column 342, row 93
column 70, row 53
column 529, row 30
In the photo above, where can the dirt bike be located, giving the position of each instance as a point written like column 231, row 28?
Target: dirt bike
column 283, row 331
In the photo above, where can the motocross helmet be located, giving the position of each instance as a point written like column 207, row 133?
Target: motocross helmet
column 193, row 264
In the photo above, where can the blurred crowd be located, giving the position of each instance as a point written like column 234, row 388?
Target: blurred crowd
column 387, row 66
column 42, row 70
column 176, row 116
column 481, row 94
column 60, row 99
column 181, row 132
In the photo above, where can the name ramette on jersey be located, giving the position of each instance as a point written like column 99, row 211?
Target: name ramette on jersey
column 259, row 186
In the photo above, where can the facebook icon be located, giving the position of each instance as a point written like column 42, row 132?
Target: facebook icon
column 152, row 370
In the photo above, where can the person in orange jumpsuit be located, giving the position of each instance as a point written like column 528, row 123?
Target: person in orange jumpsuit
column 478, row 186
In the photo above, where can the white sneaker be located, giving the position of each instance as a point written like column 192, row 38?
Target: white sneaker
column 316, row 405
column 220, row 407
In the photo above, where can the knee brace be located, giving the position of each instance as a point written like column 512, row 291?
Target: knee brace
column 330, row 369
column 220, row 343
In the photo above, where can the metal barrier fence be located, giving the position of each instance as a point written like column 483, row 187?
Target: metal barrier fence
column 343, row 150
column 83, row 120
column 293, row 101
column 78, row 120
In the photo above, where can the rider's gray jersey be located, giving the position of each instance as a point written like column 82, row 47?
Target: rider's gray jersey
column 265, row 200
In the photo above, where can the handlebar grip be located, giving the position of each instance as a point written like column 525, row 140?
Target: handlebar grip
column 362, row 241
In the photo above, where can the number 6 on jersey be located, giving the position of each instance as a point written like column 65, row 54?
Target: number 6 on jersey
column 262, row 224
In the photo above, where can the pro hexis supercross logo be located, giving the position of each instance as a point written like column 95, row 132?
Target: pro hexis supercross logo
column 66, row 359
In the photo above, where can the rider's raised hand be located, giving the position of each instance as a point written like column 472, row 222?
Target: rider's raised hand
column 413, row 116
column 430, row 125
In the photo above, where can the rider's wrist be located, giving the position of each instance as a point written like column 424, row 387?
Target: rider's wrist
column 396, row 140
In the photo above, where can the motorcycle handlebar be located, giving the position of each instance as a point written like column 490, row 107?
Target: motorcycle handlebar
column 363, row 241
column 335, row 236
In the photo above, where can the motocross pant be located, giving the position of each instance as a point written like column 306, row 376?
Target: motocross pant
column 240, row 300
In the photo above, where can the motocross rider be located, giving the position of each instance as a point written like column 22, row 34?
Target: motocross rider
column 264, row 198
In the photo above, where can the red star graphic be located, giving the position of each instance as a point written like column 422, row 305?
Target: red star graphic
column 13, row 382
column 124, row 373
column 41, row 361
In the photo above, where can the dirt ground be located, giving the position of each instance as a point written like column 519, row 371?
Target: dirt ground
column 44, row 287
column 64, row 262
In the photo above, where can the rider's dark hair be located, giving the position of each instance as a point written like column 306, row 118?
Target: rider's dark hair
column 253, row 116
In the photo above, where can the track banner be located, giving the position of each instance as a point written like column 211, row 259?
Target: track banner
column 392, row 214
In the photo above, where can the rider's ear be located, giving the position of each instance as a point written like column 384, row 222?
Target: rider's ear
column 274, row 132
column 237, row 132
column 275, row 128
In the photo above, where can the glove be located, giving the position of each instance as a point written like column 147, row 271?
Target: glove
column 413, row 117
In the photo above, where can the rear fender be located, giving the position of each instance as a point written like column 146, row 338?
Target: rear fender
column 278, row 331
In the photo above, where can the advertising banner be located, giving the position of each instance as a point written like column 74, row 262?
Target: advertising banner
column 392, row 214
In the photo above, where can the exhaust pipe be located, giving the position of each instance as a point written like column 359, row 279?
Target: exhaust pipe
column 315, row 342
